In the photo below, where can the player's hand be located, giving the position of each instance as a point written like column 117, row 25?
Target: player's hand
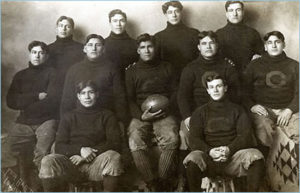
column 255, row 56
column 215, row 153
column 42, row 95
column 88, row 153
column 76, row 159
column 148, row 116
column 187, row 122
column 284, row 117
column 260, row 110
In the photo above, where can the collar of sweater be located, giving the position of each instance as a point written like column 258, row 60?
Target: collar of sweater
column 235, row 25
column 219, row 103
column 40, row 66
column 206, row 62
column 274, row 59
column 94, row 63
column 87, row 110
column 170, row 26
column 149, row 64
column 64, row 40
column 122, row 36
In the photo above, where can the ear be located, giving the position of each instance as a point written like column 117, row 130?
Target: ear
column 84, row 49
column 198, row 46
column 139, row 51
column 225, row 88
column 266, row 48
column 283, row 45
column 78, row 96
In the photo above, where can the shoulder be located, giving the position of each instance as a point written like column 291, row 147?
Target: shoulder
column 221, row 30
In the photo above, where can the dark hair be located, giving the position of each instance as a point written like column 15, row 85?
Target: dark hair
column 144, row 37
column 166, row 5
column 210, row 34
column 232, row 2
column 35, row 43
column 210, row 76
column 94, row 36
column 69, row 19
column 83, row 84
column 114, row 12
column 274, row 33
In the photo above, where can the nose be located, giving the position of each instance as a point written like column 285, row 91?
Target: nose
column 273, row 45
column 94, row 47
column 87, row 96
column 147, row 50
column 174, row 14
column 235, row 12
column 65, row 28
column 208, row 46
column 215, row 89
column 37, row 55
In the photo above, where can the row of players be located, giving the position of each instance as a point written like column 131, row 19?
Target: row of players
column 269, row 86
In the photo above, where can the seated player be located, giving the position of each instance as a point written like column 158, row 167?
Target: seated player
column 87, row 145
column 221, row 142
column 272, row 91
column 32, row 92
column 151, row 76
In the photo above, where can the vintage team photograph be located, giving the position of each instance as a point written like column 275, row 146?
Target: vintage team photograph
column 149, row 96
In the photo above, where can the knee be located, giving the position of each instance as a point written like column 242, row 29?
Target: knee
column 113, row 166
column 114, row 157
column 250, row 156
column 169, row 141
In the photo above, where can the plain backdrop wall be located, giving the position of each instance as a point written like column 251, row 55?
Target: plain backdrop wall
column 23, row 22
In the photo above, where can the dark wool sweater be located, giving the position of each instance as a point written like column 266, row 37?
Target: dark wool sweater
column 272, row 82
column 121, row 50
column 107, row 78
column 177, row 44
column 220, row 123
column 87, row 127
column 239, row 43
column 144, row 79
column 24, row 90
column 193, row 94
column 64, row 53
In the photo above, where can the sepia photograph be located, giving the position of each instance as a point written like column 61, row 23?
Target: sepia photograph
column 149, row 96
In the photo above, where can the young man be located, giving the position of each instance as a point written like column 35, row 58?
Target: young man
column 192, row 93
column 239, row 42
column 86, row 145
column 177, row 44
column 32, row 92
column 64, row 53
column 221, row 140
column 272, row 90
column 120, row 48
column 97, row 68
column 151, row 76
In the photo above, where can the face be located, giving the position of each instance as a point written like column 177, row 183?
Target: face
column 93, row 49
column 216, row 89
column 64, row 29
column 235, row 13
column 274, row 46
column 208, row 48
column 173, row 15
column 118, row 23
column 37, row 56
column 87, row 97
column 146, row 51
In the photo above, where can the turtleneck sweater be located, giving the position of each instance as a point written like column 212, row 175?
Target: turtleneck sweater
column 87, row 127
column 107, row 78
column 121, row 49
column 24, row 90
column 64, row 53
column 239, row 43
column 192, row 92
column 272, row 82
column 148, row 78
column 177, row 44
column 220, row 123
